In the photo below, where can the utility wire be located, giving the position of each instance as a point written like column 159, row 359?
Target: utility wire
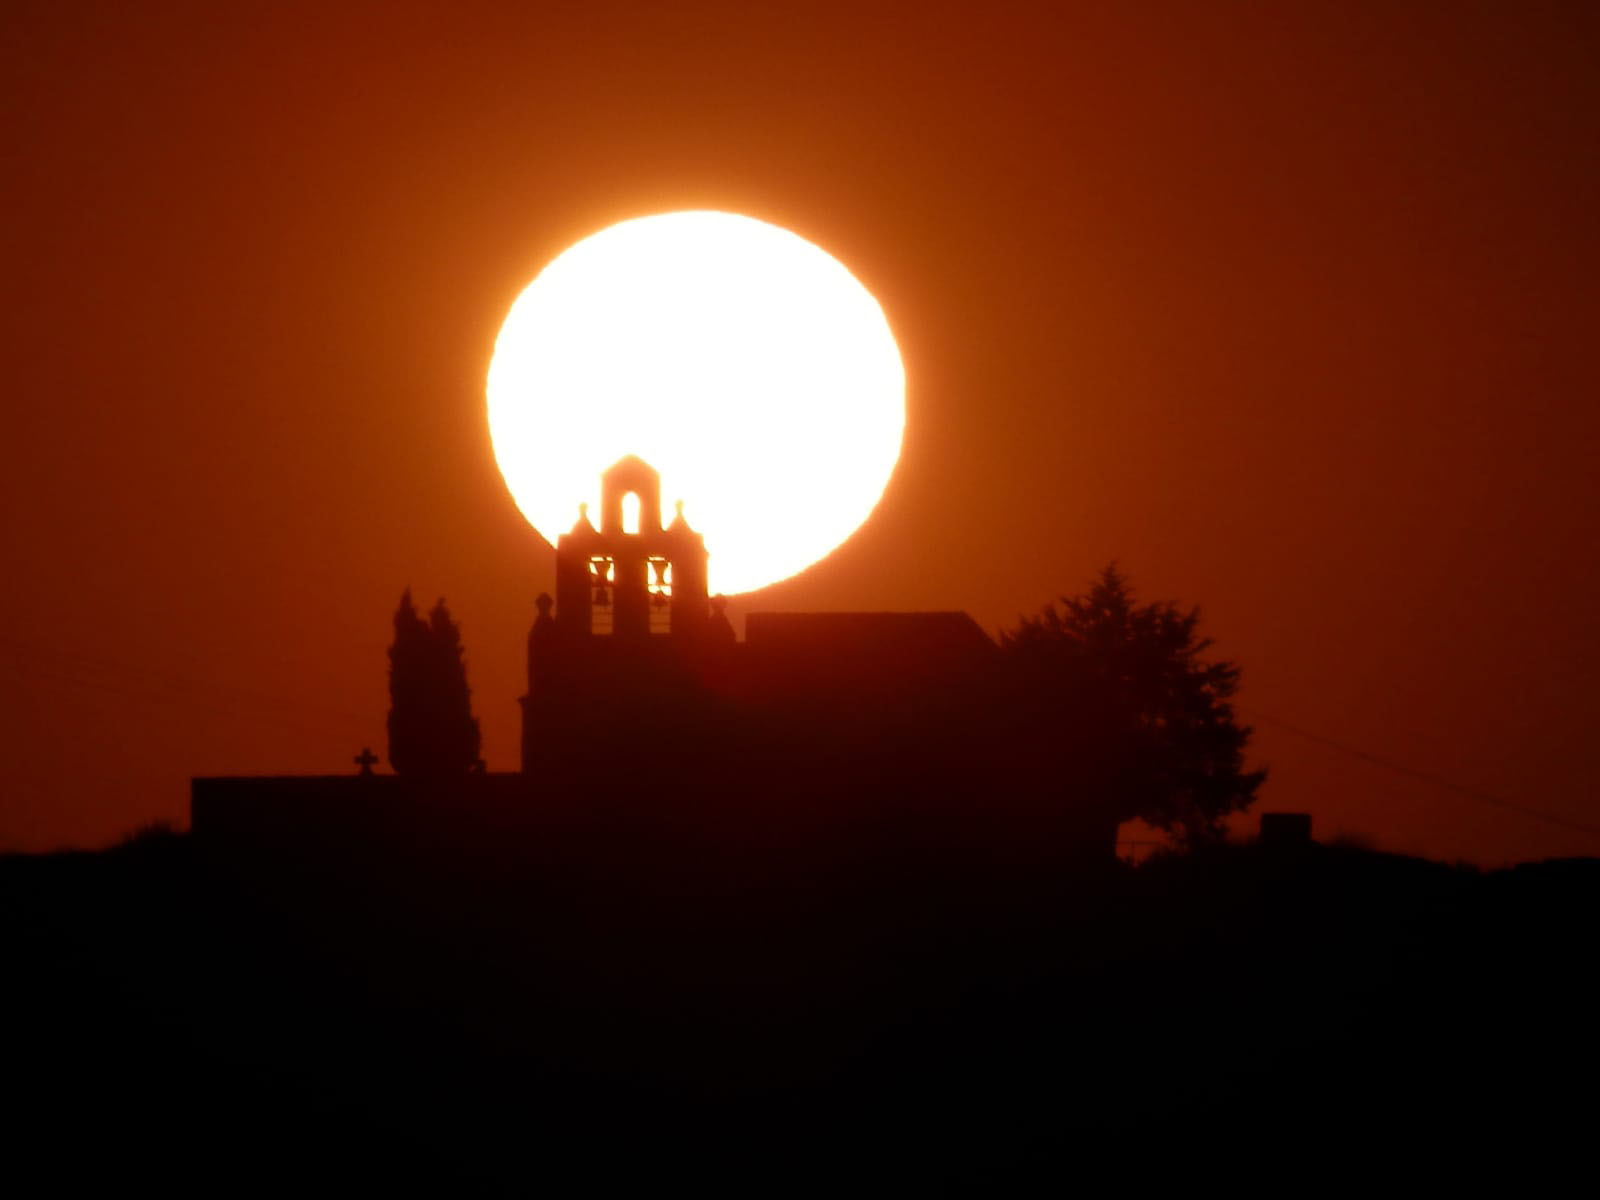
column 1438, row 781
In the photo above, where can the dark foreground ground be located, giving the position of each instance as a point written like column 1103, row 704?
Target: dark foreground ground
column 177, row 1019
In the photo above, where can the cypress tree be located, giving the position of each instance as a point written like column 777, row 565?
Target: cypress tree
column 457, row 728
column 431, row 728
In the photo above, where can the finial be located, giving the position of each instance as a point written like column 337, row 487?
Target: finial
column 718, row 603
column 678, row 504
column 543, row 603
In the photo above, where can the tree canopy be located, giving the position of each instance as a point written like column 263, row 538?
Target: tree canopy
column 432, row 730
column 1132, row 711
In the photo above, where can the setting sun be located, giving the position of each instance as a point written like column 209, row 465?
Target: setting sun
column 744, row 363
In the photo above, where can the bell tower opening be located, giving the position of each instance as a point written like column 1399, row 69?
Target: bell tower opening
column 631, row 508
column 659, row 577
column 602, row 594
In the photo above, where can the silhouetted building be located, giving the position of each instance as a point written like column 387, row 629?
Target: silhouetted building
column 639, row 691
column 646, row 721
column 632, row 646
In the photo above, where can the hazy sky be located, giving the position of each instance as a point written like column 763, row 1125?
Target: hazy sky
column 1290, row 309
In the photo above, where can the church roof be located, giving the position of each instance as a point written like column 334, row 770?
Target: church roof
column 863, row 652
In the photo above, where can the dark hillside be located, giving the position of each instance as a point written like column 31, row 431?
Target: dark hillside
column 440, row 1023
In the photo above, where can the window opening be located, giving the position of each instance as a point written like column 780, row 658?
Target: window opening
column 602, row 594
column 658, row 575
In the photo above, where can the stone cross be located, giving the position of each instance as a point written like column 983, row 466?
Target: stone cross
column 365, row 760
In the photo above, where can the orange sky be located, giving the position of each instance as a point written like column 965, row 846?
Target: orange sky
column 1290, row 309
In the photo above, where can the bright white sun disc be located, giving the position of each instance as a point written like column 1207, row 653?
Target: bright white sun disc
column 745, row 364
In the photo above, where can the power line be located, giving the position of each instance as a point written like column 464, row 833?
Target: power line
column 1438, row 781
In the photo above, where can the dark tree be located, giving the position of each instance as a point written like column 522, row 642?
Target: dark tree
column 432, row 731
column 1132, row 712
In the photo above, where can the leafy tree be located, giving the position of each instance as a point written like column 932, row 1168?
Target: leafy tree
column 1130, row 709
column 432, row 731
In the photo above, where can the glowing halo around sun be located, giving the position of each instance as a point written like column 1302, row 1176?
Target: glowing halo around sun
column 745, row 364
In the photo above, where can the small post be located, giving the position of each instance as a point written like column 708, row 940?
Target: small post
column 1284, row 830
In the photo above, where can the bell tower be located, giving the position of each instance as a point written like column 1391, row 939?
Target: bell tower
column 630, row 615
column 631, row 578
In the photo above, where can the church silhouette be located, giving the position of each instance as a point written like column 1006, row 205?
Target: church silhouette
column 646, row 722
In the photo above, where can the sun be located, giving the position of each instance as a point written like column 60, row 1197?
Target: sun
column 744, row 363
